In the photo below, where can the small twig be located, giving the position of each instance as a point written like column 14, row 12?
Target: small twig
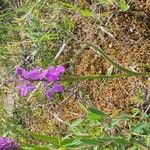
column 57, row 118
column 107, row 32
column 110, row 17
column 145, row 112
column 60, row 51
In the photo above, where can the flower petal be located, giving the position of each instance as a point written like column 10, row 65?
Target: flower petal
column 24, row 91
column 60, row 69
column 51, row 78
column 33, row 74
column 48, row 93
column 57, row 88
column 31, row 87
column 19, row 70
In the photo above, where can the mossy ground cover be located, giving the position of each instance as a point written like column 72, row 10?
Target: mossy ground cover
column 32, row 33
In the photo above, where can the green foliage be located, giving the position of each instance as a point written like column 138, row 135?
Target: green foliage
column 82, row 11
column 123, row 6
column 96, row 130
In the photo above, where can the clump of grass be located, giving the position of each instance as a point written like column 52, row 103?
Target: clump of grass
column 96, row 130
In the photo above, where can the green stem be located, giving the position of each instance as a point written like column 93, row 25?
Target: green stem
column 90, row 77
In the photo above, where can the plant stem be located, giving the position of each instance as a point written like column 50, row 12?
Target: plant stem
column 90, row 77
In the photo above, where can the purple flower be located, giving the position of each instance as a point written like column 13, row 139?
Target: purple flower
column 33, row 74
column 44, row 74
column 60, row 69
column 8, row 144
column 54, row 73
column 56, row 88
column 25, row 88
column 49, row 77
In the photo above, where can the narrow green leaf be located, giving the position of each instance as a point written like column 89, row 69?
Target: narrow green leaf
column 35, row 147
column 52, row 140
column 72, row 144
column 84, row 12
column 121, row 141
column 93, row 117
column 113, row 123
column 97, row 112
column 90, row 141
column 76, row 123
